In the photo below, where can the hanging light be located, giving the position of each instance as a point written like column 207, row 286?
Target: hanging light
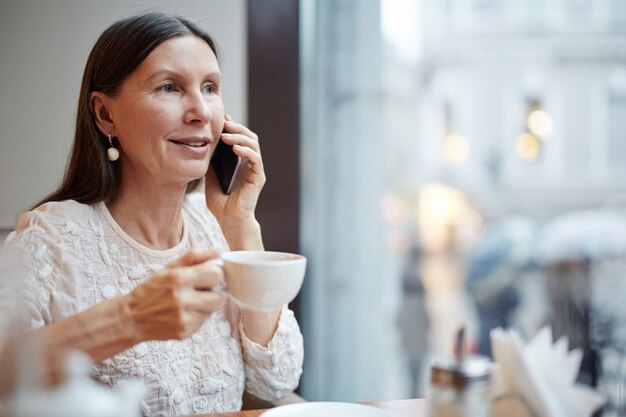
column 540, row 123
column 528, row 146
column 455, row 148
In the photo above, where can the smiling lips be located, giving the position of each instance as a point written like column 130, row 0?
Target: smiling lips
column 198, row 145
column 194, row 144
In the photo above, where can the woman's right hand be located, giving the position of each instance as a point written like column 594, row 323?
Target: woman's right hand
column 174, row 302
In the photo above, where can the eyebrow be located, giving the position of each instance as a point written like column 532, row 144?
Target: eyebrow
column 175, row 74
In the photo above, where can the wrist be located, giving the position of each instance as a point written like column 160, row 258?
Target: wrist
column 131, row 330
column 243, row 234
column 231, row 220
column 260, row 327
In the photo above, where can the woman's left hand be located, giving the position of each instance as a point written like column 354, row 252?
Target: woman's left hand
column 235, row 211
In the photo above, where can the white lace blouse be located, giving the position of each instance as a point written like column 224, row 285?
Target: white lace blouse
column 78, row 256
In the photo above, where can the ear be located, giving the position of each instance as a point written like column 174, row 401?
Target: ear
column 100, row 107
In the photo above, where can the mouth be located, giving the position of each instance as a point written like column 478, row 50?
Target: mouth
column 198, row 144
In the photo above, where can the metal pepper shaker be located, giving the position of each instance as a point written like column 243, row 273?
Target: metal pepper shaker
column 460, row 385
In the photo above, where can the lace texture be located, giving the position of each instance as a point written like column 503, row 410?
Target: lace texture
column 78, row 256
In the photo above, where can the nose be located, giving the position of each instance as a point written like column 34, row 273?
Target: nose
column 197, row 109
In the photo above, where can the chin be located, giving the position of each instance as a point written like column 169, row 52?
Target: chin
column 194, row 172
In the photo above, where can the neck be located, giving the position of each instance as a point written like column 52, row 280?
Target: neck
column 150, row 213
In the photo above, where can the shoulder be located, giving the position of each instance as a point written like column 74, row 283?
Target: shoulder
column 47, row 246
column 54, row 215
column 52, row 219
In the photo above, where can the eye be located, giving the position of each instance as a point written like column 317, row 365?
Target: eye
column 209, row 88
column 168, row 88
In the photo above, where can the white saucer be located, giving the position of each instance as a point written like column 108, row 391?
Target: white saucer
column 326, row 409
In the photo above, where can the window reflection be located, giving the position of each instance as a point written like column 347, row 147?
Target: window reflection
column 502, row 138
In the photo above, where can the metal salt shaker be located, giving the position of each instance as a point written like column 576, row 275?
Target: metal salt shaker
column 460, row 386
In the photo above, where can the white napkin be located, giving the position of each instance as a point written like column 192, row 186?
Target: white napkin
column 542, row 373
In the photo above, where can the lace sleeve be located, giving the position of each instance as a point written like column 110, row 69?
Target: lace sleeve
column 30, row 263
column 274, row 372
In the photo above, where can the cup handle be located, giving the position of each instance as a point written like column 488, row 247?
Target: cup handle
column 217, row 261
column 222, row 288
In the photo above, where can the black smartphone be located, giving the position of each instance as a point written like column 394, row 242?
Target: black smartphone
column 226, row 165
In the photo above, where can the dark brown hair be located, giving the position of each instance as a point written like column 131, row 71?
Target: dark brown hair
column 90, row 177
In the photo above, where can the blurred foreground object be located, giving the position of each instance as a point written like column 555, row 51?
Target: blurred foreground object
column 78, row 396
column 27, row 370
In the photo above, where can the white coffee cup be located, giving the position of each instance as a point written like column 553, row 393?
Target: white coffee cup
column 261, row 280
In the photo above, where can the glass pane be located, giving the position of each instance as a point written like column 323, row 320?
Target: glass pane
column 472, row 186
column 617, row 132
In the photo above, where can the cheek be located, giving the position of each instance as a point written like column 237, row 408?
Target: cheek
column 217, row 121
column 140, row 120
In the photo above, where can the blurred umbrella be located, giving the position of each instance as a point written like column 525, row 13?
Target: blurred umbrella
column 585, row 234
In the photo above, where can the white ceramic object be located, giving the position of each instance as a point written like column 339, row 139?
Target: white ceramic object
column 326, row 409
column 262, row 280
column 79, row 396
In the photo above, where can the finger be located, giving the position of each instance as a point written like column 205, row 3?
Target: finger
column 205, row 276
column 193, row 257
column 190, row 322
column 203, row 301
column 254, row 159
column 201, row 277
column 232, row 127
column 241, row 139
column 206, row 302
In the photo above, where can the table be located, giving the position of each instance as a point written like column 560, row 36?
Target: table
column 398, row 408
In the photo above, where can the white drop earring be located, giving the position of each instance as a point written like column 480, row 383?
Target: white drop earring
column 112, row 153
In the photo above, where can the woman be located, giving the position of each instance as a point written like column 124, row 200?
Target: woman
column 117, row 254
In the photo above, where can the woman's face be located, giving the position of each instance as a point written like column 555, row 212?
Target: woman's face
column 168, row 114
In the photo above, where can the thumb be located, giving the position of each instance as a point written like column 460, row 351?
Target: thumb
column 194, row 257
